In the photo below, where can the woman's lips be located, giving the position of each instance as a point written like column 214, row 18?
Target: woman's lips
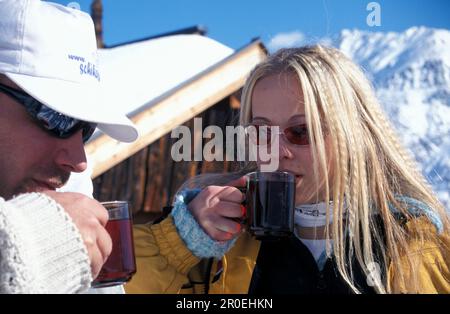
column 298, row 177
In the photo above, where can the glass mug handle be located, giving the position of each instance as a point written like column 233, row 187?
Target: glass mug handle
column 243, row 220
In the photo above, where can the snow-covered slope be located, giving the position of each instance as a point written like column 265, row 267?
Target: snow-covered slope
column 411, row 74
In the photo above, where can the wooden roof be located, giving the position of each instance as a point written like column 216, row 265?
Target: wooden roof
column 177, row 106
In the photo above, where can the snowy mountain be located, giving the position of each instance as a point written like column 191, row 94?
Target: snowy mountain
column 411, row 75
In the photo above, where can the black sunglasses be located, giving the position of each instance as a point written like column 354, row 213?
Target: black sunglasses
column 50, row 120
column 262, row 134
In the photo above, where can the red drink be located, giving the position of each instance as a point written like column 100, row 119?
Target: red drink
column 121, row 264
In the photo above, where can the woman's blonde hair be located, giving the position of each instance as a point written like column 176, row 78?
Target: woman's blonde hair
column 371, row 169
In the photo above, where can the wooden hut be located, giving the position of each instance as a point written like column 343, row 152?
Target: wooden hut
column 143, row 172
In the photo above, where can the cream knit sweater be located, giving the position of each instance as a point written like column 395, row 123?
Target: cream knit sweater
column 41, row 250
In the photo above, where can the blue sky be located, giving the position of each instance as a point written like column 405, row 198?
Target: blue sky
column 235, row 22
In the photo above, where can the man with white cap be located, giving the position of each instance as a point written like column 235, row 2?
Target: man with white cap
column 49, row 107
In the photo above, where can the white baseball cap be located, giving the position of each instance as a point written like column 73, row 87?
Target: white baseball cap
column 50, row 51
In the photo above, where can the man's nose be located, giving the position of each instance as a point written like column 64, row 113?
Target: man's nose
column 70, row 154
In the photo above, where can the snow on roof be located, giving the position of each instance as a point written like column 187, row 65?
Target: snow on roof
column 135, row 74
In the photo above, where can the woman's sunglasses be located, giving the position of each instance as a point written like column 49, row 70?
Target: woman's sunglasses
column 50, row 120
column 262, row 134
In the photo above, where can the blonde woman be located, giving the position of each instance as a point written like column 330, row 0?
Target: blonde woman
column 377, row 226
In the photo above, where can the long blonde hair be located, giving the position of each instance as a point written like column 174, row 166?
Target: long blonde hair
column 371, row 168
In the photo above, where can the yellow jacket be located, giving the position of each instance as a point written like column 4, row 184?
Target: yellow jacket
column 165, row 265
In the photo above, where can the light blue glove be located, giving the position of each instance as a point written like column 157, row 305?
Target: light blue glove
column 197, row 241
column 417, row 208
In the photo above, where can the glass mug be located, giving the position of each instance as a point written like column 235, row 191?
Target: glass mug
column 270, row 204
column 121, row 263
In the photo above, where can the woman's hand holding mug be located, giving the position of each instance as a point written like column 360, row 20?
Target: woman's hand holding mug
column 218, row 209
